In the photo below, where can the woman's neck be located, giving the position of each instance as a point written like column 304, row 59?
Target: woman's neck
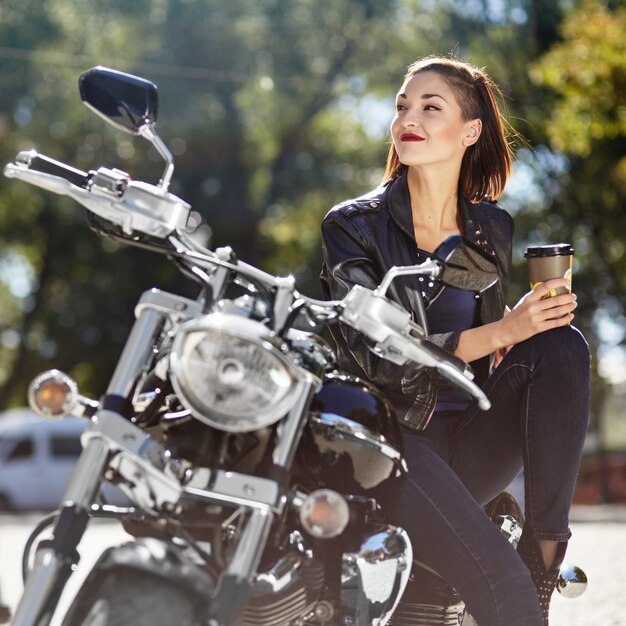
column 434, row 198
column 434, row 205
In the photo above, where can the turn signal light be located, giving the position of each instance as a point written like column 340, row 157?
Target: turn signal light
column 52, row 394
column 324, row 514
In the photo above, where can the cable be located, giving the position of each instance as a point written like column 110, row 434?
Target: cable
column 48, row 520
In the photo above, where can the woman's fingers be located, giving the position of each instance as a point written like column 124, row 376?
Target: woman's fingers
column 548, row 288
column 538, row 311
column 557, row 302
column 550, row 309
column 544, row 302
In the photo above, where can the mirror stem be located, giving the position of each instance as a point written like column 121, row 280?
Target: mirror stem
column 430, row 268
column 421, row 314
column 147, row 131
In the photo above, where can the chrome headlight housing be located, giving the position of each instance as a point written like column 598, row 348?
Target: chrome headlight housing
column 230, row 373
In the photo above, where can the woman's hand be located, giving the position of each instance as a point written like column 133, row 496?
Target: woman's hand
column 536, row 312
column 533, row 314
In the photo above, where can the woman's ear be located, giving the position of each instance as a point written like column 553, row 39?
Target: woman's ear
column 474, row 128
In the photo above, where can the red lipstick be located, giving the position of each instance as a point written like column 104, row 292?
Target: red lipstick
column 411, row 137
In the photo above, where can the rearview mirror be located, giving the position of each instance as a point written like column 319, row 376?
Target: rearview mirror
column 129, row 103
column 125, row 101
column 456, row 262
column 465, row 266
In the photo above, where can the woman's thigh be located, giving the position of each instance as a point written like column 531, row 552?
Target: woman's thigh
column 539, row 400
column 485, row 447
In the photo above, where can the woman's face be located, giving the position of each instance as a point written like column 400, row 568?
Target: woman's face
column 428, row 127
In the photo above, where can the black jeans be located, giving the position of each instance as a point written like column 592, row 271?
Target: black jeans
column 538, row 419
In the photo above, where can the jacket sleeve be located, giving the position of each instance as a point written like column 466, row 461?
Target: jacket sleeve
column 347, row 262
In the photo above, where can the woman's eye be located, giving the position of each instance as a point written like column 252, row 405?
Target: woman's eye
column 431, row 107
column 400, row 107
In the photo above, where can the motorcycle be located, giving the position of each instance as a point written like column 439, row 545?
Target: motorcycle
column 248, row 458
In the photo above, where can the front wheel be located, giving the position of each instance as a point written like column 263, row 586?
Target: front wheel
column 132, row 598
column 142, row 583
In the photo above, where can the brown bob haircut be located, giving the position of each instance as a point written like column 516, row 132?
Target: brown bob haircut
column 486, row 164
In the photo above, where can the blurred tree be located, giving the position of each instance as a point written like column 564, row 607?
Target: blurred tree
column 61, row 304
column 586, row 72
column 275, row 110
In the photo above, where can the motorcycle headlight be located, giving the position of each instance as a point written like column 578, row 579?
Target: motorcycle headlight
column 231, row 374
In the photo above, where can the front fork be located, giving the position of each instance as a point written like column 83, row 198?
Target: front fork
column 236, row 581
column 55, row 559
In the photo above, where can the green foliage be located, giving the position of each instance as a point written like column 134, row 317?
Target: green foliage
column 584, row 81
column 588, row 71
column 242, row 86
column 58, row 304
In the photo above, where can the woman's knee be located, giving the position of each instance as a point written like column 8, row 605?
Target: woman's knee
column 565, row 345
column 573, row 339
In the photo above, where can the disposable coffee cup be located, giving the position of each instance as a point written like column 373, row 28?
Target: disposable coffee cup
column 551, row 261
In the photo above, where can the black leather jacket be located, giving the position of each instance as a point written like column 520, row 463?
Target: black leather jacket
column 365, row 237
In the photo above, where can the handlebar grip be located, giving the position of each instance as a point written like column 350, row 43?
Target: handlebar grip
column 458, row 371
column 40, row 163
column 448, row 357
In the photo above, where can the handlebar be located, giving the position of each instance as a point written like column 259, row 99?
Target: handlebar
column 134, row 206
column 450, row 367
column 138, row 207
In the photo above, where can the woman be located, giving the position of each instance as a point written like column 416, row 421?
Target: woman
column 448, row 161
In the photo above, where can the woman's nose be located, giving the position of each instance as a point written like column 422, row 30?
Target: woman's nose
column 409, row 120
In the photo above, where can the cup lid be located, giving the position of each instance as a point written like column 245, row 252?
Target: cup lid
column 554, row 249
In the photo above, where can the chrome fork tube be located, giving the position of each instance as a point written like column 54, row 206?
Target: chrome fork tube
column 55, row 558
column 87, row 474
column 135, row 353
column 290, row 430
column 234, row 587
column 248, row 554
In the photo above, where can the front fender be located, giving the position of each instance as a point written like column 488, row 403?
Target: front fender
column 157, row 558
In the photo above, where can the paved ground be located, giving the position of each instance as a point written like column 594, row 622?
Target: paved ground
column 598, row 545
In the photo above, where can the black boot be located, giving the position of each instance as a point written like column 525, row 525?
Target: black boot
column 545, row 580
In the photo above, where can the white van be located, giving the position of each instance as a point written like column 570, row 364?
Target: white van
column 36, row 458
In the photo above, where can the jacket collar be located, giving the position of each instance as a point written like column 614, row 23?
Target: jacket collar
column 399, row 205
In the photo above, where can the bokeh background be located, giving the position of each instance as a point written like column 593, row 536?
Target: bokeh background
column 277, row 109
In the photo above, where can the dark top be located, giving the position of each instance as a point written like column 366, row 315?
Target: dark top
column 447, row 309
column 452, row 310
